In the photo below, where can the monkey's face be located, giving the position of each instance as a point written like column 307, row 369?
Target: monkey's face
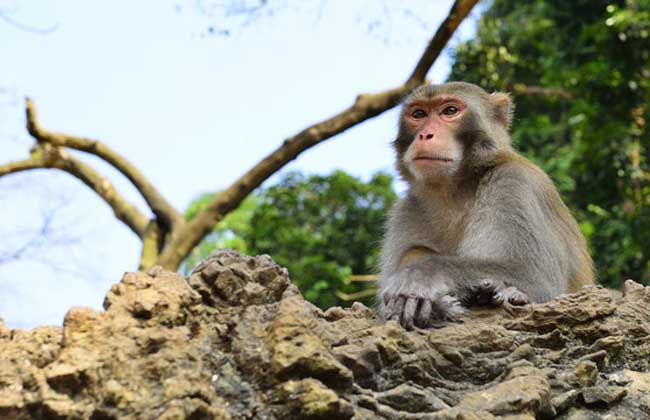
column 427, row 146
column 448, row 131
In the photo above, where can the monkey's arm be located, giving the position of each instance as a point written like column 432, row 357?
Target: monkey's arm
column 402, row 284
column 509, row 240
column 415, row 254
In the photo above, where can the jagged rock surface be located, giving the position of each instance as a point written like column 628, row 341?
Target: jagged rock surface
column 238, row 341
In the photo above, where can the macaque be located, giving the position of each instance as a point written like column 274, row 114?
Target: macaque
column 480, row 224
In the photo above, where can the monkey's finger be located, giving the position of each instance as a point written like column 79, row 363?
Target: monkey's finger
column 479, row 293
column 515, row 296
column 397, row 308
column 455, row 312
column 410, row 306
column 519, row 298
column 390, row 307
column 450, row 308
column 498, row 298
column 389, row 303
column 423, row 318
column 487, row 287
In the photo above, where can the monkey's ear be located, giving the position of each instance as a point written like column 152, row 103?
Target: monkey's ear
column 504, row 108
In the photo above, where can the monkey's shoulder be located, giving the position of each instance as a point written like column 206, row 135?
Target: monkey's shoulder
column 518, row 186
column 517, row 174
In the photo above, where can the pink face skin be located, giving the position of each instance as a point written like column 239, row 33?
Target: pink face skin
column 434, row 153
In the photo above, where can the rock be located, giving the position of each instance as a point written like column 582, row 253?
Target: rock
column 565, row 400
column 236, row 340
column 602, row 396
column 586, row 373
column 411, row 398
column 526, row 394
column 310, row 399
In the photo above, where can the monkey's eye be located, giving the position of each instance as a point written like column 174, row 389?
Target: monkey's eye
column 418, row 113
column 450, row 110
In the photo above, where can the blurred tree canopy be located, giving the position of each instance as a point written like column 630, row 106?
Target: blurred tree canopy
column 322, row 228
column 580, row 73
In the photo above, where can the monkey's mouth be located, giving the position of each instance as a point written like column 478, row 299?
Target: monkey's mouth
column 433, row 159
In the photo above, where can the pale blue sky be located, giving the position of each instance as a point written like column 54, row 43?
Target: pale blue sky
column 193, row 112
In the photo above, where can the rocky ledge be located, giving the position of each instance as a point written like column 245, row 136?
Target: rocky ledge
column 237, row 341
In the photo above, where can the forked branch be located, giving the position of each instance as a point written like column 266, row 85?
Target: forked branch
column 163, row 210
column 364, row 108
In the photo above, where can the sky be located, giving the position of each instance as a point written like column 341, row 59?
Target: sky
column 194, row 95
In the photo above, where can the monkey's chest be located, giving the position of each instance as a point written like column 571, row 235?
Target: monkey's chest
column 429, row 240
column 441, row 234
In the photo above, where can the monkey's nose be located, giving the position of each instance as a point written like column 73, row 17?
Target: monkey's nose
column 428, row 136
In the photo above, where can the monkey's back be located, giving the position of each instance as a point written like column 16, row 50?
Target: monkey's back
column 579, row 265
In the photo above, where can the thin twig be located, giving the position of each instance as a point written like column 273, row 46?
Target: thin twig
column 23, row 27
column 355, row 296
column 521, row 89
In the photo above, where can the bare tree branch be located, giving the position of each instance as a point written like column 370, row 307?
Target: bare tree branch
column 348, row 297
column 152, row 243
column 41, row 242
column 46, row 156
column 459, row 11
column 164, row 211
column 36, row 161
column 23, row 27
column 521, row 89
column 365, row 107
column 32, row 244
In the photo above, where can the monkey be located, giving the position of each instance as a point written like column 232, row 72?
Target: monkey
column 479, row 224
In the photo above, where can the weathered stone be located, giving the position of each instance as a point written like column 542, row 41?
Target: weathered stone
column 297, row 352
column 461, row 414
column 565, row 400
column 526, row 394
column 4, row 331
column 586, row 373
column 568, row 310
column 236, row 279
column 602, row 396
column 310, row 399
column 236, row 340
column 413, row 399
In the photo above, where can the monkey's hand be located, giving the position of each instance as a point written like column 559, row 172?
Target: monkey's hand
column 496, row 293
column 415, row 297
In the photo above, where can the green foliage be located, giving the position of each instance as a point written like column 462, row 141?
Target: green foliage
column 227, row 233
column 322, row 228
column 594, row 145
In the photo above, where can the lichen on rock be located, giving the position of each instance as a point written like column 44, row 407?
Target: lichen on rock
column 236, row 340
